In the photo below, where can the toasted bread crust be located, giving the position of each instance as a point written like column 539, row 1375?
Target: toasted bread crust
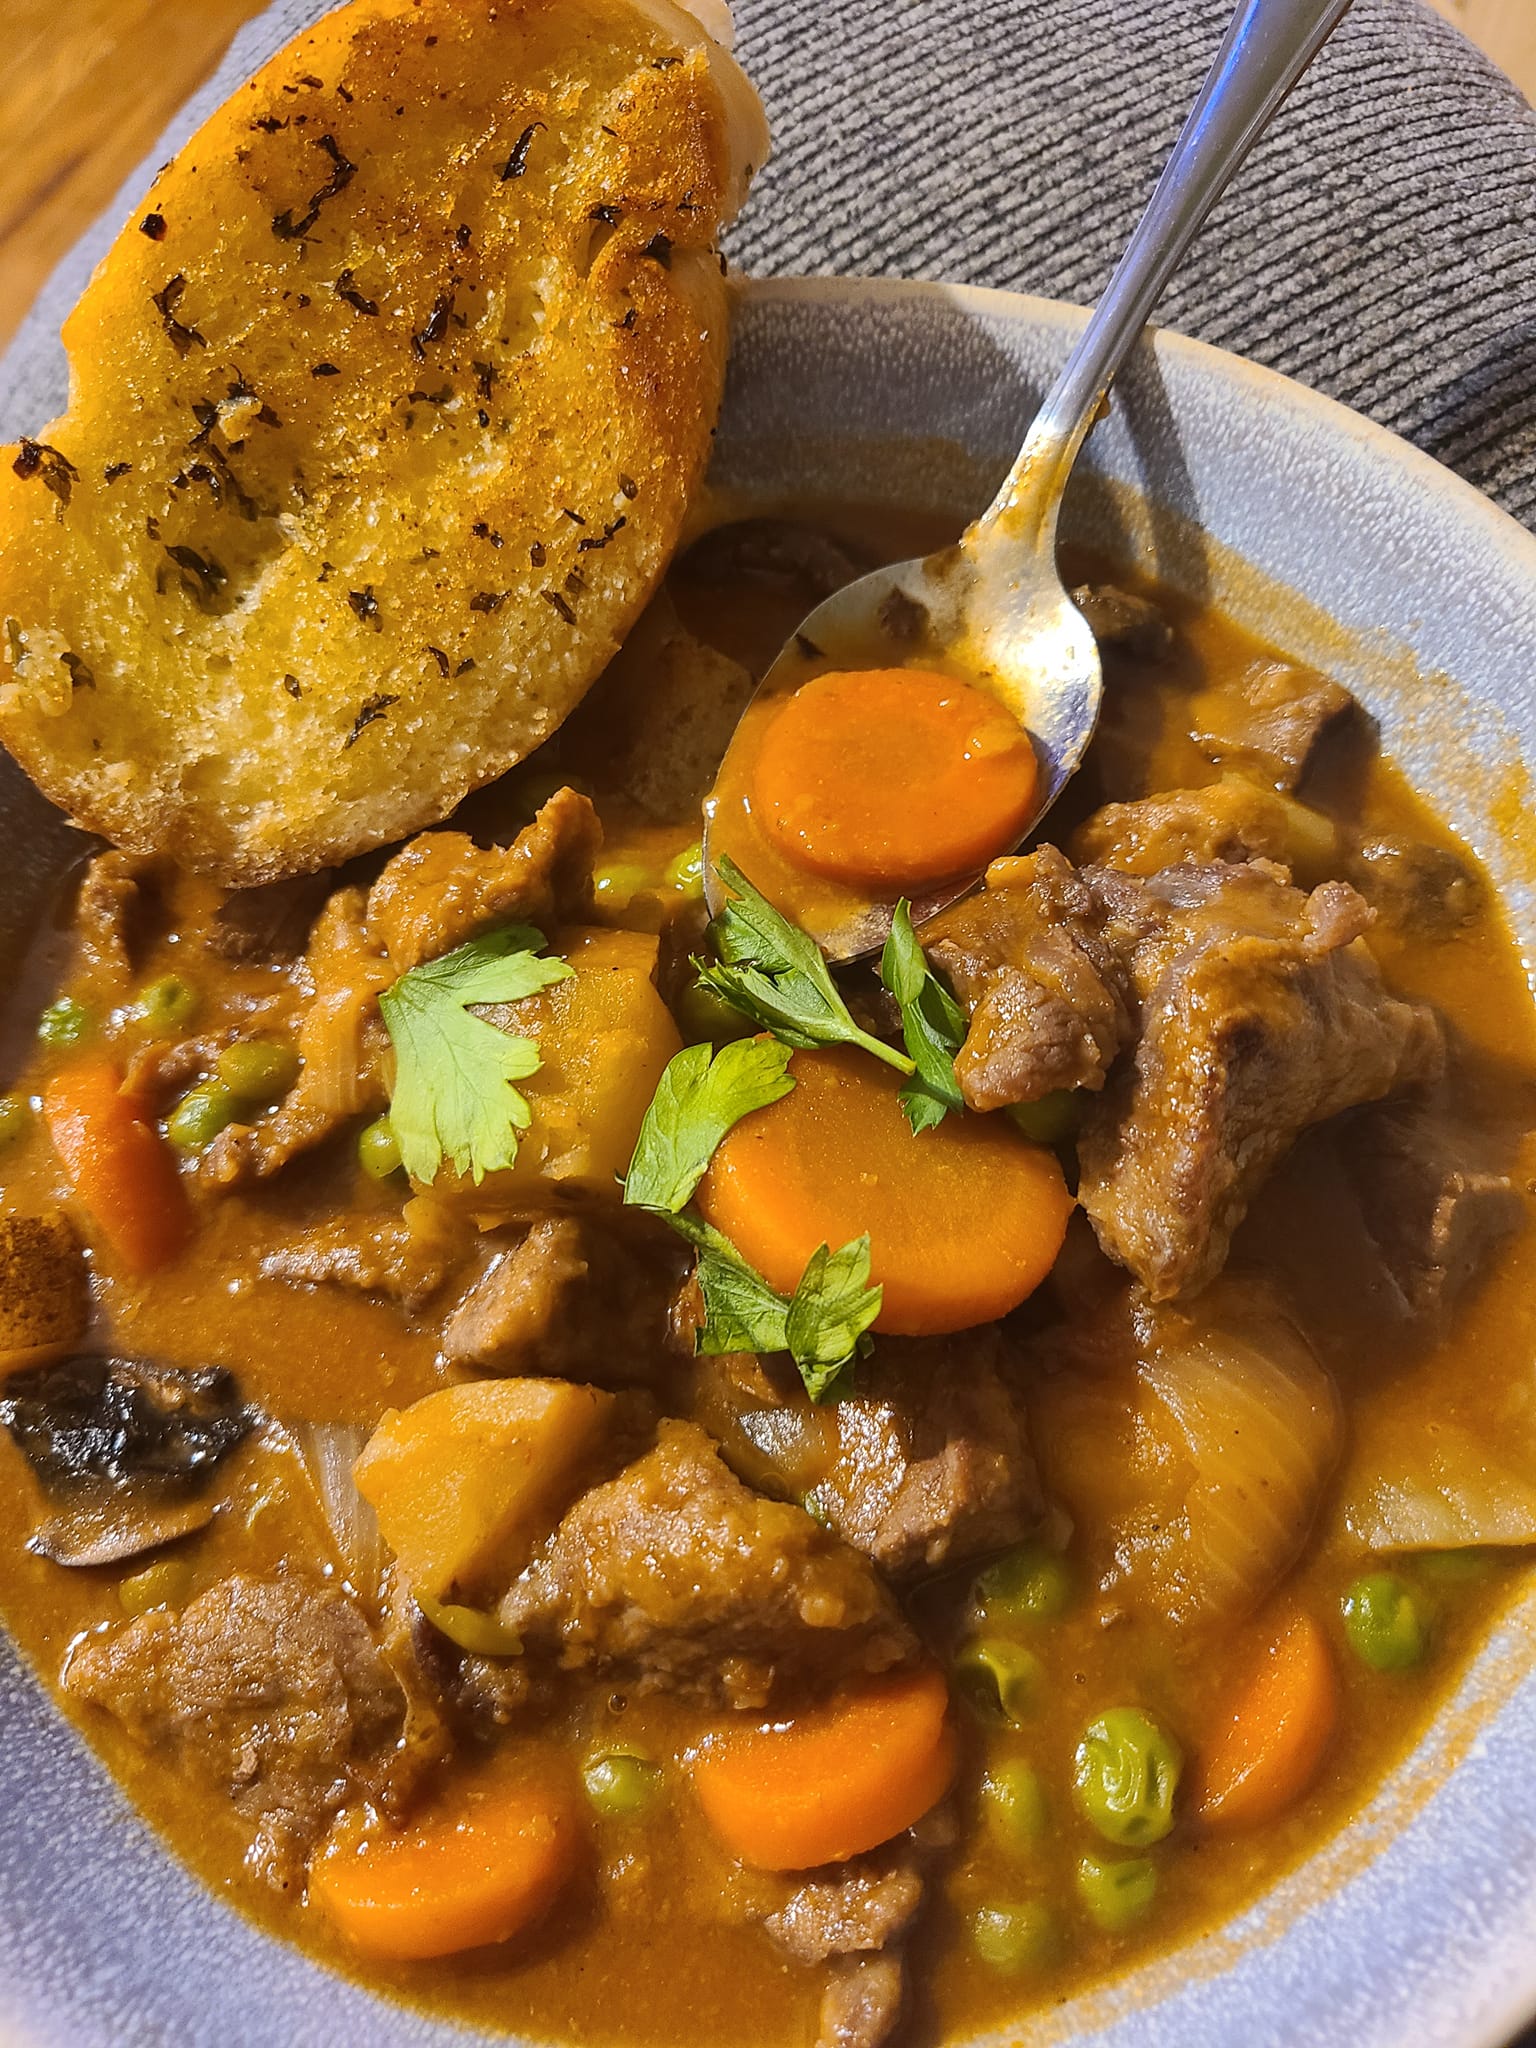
column 385, row 411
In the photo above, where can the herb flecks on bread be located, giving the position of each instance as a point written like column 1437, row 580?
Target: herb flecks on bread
column 385, row 411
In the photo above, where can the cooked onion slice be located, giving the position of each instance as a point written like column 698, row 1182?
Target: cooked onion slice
column 329, row 1450
column 1448, row 1493
column 1242, row 1427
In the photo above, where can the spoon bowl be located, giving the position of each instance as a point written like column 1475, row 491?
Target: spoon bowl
column 992, row 610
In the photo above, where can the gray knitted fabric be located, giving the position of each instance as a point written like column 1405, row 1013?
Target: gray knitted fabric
column 1380, row 245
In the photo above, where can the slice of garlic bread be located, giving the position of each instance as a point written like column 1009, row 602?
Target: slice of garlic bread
column 385, row 410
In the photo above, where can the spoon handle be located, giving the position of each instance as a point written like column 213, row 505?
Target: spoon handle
column 1267, row 46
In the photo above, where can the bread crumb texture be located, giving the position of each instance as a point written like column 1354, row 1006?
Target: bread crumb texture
column 385, row 411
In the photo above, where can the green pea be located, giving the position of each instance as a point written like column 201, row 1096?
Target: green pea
column 65, row 1023
column 1031, row 1583
column 200, row 1115
column 1382, row 1623
column 616, row 883
column 165, row 1584
column 685, row 874
column 702, row 1016
column 15, row 1117
column 620, row 1784
column 471, row 1628
column 167, row 1005
column 1125, row 1774
column 1116, row 1895
column 378, row 1149
column 1051, row 1120
column 1013, row 1805
column 1015, row 1937
column 257, row 1069
column 1000, row 1678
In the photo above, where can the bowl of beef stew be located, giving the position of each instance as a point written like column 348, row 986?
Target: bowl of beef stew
column 1148, row 1664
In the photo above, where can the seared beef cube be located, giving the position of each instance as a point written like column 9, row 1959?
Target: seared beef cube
column 441, row 889
column 574, row 1300
column 851, row 1908
column 1047, row 997
column 862, row 2002
column 1270, row 719
column 676, row 1577
column 1433, row 1210
column 1422, row 890
column 272, row 1690
column 112, row 912
column 1259, row 1016
column 364, row 1255
column 270, row 924
column 932, row 1463
column 1230, row 820
column 1118, row 618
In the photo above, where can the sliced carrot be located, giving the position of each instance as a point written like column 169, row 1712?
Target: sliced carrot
column 1271, row 1748
column 833, row 1782
column 463, row 1882
column 119, row 1165
column 893, row 777
column 964, row 1220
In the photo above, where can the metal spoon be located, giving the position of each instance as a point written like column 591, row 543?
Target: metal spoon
column 993, row 608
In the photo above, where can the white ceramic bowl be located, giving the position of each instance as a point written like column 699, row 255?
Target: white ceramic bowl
column 1416, row 1928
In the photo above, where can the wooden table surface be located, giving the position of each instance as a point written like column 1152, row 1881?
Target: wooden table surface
column 89, row 84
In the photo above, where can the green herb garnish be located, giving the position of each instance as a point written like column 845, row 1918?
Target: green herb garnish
column 697, row 1100
column 823, row 1325
column 453, row 1095
column 774, row 973
column 932, row 1024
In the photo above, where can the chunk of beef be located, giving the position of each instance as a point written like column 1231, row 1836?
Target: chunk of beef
column 1270, row 719
column 851, row 1908
column 676, row 1577
column 1422, row 890
column 45, row 1294
column 365, row 1255
column 1118, row 618
column 1230, row 820
column 576, row 1299
column 932, row 1461
column 270, row 924
column 1259, row 1016
column 111, row 913
column 341, row 1042
column 1047, row 997
column 442, row 889
column 273, row 1690
column 1433, row 1208
column 862, row 2003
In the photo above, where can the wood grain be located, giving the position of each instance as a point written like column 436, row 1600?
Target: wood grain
column 1506, row 29
column 88, row 85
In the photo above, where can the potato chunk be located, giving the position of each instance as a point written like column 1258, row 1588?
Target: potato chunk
column 604, row 1035
column 466, row 1481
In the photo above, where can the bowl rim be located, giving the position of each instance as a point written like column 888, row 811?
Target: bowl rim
column 1258, row 387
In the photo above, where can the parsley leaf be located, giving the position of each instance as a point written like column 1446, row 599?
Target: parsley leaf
column 932, row 1023
column 697, row 1100
column 774, row 973
column 453, row 1096
column 832, row 1309
column 822, row 1326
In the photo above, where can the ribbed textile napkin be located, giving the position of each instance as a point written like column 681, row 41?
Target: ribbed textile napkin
column 1380, row 245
